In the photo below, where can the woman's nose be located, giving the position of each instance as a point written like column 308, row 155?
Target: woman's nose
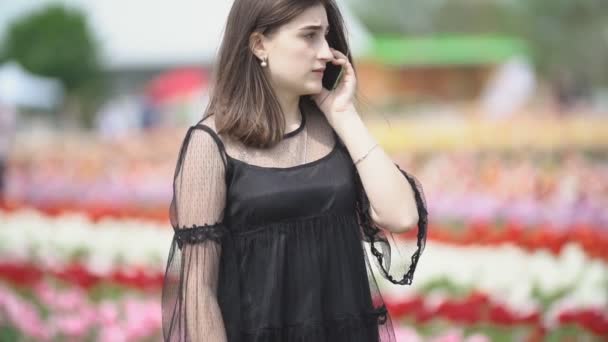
column 325, row 52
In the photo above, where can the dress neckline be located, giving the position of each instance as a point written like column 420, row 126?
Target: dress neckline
column 328, row 155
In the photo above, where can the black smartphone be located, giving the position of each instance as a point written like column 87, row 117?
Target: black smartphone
column 336, row 82
column 335, row 85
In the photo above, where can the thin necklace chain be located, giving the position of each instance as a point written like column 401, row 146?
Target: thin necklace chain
column 305, row 142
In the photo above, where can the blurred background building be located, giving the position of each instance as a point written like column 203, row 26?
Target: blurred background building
column 499, row 107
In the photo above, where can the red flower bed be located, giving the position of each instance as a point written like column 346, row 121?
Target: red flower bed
column 28, row 274
column 479, row 308
column 593, row 240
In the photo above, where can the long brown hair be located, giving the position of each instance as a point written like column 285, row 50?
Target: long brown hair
column 242, row 98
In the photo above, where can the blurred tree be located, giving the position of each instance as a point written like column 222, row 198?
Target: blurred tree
column 472, row 17
column 569, row 39
column 394, row 16
column 56, row 41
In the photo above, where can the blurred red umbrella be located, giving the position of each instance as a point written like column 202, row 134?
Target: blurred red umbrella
column 176, row 83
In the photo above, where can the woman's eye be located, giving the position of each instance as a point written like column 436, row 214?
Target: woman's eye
column 310, row 35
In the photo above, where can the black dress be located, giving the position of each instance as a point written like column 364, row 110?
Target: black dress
column 282, row 257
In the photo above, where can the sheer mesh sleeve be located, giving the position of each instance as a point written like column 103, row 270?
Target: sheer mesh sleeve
column 190, row 307
column 389, row 254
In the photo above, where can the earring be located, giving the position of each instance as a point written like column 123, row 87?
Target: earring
column 264, row 63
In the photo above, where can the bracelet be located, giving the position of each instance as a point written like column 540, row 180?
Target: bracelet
column 365, row 155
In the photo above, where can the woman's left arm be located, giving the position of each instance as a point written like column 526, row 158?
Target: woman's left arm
column 391, row 198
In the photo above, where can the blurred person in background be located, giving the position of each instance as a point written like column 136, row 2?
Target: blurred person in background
column 276, row 188
column 8, row 119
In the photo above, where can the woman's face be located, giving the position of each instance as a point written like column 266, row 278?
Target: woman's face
column 296, row 50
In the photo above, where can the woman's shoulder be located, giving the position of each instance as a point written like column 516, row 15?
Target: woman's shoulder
column 207, row 123
column 226, row 142
column 203, row 136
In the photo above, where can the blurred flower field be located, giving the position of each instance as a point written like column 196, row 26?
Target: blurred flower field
column 517, row 247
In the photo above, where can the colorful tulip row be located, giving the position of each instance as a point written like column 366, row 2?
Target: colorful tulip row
column 557, row 187
column 593, row 239
column 72, row 313
column 132, row 253
column 112, row 249
column 47, row 313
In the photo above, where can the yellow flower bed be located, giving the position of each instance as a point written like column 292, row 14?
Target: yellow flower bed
column 432, row 134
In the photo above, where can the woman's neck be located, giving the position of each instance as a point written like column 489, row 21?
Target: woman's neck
column 290, row 105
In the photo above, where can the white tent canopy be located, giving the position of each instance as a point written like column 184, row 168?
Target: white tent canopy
column 141, row 33
column 19, row 88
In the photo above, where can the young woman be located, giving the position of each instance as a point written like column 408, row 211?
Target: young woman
column 279, row 189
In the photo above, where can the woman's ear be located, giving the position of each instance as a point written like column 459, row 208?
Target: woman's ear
column 257, row 45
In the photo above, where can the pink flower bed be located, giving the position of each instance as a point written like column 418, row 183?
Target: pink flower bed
column 69, row 314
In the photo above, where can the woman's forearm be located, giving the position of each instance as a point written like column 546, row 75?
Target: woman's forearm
column 203, row 315
column 207, row 324
column 392, row 202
